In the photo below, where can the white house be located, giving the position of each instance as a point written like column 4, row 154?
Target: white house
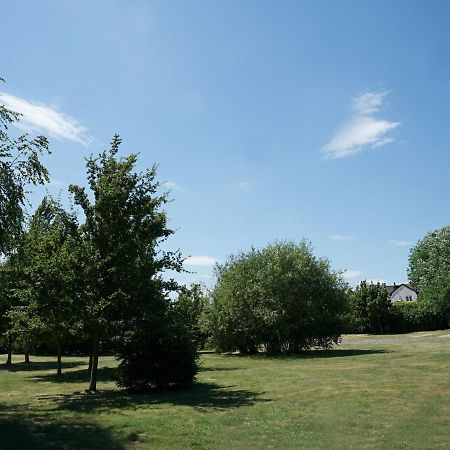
column 401, row 292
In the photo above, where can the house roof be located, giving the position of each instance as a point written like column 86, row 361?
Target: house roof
column 390, row 289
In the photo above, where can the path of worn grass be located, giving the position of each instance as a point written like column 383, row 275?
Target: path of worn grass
column 388, row 392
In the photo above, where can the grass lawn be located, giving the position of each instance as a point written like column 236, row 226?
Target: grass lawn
column 381, row 392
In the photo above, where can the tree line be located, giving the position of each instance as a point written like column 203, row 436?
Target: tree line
column 282, row 298
column 94, row 279
column 100, row 281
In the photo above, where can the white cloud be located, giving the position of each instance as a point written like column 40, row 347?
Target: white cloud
column 363, row 129
column 351, row 273
column 200, row 261
column 339, row 237
column 44, row 119
column 245, row 185
column 369, row 102
column 398, row 243
column 173, row 186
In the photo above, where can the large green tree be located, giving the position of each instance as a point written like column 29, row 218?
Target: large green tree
column 8, row 277
column 190, row 310
column 51, row 283
column 281, row 297
column 371, row 307
column 19, row 166
column 429, row 272
column 123, row 262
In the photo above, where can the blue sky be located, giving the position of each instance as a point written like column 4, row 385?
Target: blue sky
column 324, row 120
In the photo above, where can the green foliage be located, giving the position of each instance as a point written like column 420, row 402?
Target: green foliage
column 50, row 260
column 190, row 310
column 157, row 356
column 408, row 317
column 429, row 271
column 8, row 277
column 19, row 166
column 122, row 262
column 281, row 298
column 371, row 308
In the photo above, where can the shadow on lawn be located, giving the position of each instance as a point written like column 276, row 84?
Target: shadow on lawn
column 41, row 365
column 201, row 396
column 78, row 376
column 28, row 430
column 306, row 354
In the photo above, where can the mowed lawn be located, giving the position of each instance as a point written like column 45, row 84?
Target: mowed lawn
column 387, row 392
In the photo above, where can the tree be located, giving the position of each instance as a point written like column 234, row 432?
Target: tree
column 429, row 272
column 122, row 264
column 157, row 354
column 7, row 300
column 372, row 307
column 190, row 310
column 19, row 166
column 281, row 298
column 51, row 284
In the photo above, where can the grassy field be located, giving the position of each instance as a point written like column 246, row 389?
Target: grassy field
column 388, row 392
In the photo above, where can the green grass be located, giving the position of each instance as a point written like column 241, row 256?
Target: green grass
column 388, row 392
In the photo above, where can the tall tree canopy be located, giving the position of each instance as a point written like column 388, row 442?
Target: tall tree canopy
column 19, row 166
column 51, row 285
column 429, row 271
column 123, row 264
column 371, row 307
column 281, row 297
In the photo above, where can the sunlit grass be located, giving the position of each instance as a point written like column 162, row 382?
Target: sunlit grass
column 387, row 392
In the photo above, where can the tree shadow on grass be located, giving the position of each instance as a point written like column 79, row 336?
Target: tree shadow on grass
column 201, row 396
column 28, row 430
column 217, row 369
column 307, row 354
column 38, row 366
column 78, row 376
column 340, row 353
column 103, row 374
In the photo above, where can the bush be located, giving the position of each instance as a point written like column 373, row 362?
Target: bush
column 280, row 298
column 161, row 358
column 415, row 316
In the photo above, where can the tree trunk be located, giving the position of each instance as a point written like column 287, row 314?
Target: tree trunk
column 59, row 366
column 90, row 358
column 27, row 357
column 95, row 350
column 380, row 325
column 9, row 359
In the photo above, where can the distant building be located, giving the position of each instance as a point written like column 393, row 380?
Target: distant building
column 401, row 292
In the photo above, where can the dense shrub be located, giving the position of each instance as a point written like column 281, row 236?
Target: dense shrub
column 279, row 298
column 157, row 358
column 415, row 316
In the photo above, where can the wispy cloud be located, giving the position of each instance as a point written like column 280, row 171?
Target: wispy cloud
column 245, row 185
column 40, row 118
column 363, row 130
column 173, row 186
column 351, row 273
column 339, row 237
column 398, row 243
column 200, row 261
